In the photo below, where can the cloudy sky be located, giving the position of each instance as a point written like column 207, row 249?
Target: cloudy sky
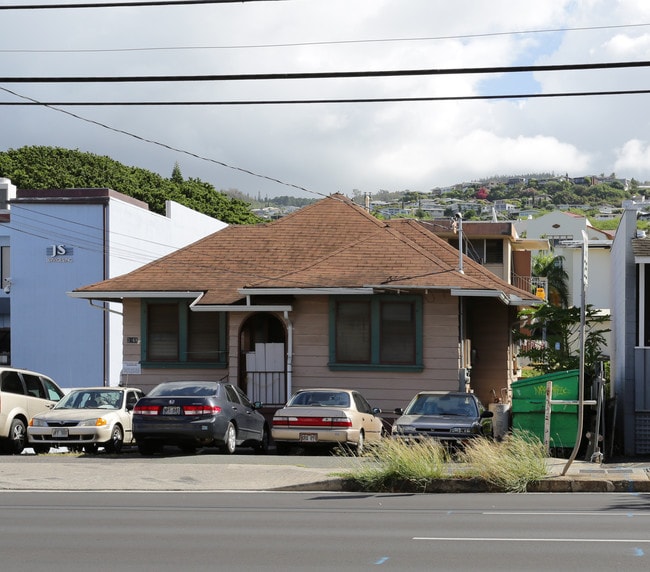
column 318, row 149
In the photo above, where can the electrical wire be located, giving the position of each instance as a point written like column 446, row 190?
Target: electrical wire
column 325, row 42
column 322, row 101
column 125, row 4
column 330, row 75
column 170, row 147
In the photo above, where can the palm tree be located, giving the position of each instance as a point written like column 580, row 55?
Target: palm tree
column 551, row 267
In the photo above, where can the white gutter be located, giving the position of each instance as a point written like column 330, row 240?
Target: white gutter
column 289, row 353
column 96, row 295
column 245, row 308
column 303, row 291
column 512, row 300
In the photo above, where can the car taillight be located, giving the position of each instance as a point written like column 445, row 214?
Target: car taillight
column 201, row 409
column 312, row 422
column 146, row 410
column 338, row 421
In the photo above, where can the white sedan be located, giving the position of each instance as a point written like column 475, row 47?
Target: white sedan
column 86, row 419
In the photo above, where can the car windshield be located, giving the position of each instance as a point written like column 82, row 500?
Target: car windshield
column 91, row 399
column 184, row 389
column 425, row 404
column 320, row 399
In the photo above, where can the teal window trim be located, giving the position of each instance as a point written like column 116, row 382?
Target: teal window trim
column 182, row 362
column 375, row 338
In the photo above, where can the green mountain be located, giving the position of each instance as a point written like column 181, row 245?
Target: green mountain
column 37, row 167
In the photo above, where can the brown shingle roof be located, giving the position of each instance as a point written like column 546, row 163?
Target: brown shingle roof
column 333, row 243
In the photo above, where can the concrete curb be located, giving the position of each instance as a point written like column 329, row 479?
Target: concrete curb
column 453, row 486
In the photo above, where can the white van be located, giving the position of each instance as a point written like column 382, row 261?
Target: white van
column 23, row 394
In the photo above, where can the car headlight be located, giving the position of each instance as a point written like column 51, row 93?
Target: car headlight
column 38, row 422
column 95, row 422
column 403, row 428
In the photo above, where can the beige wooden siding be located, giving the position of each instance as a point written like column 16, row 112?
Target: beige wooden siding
column 386, row 390
column 151, row 377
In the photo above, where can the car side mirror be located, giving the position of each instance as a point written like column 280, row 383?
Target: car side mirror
column 399, row 411
column 258, row 405
column 376, row 410
column 487, row 414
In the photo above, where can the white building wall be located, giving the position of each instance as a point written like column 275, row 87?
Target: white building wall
column 66, row 338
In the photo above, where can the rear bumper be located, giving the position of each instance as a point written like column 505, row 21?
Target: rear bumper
column 169, row 431
column 313, row 437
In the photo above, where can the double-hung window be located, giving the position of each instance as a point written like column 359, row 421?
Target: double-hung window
column 376, row 332
column 174, row 335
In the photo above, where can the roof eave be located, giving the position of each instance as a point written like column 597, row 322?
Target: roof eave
column 121, row 294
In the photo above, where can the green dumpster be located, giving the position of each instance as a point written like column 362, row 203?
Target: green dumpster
column 529, row 401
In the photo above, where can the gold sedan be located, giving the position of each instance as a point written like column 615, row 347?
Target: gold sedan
column 326, row 417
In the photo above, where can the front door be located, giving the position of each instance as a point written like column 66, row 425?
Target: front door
column 263, row 363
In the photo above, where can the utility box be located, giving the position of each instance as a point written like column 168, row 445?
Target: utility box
column 529, row 402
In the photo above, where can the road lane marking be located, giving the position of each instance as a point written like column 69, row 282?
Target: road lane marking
column 490, row 539
column 566, row 513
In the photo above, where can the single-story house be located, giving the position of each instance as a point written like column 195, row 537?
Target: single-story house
column 327, row 296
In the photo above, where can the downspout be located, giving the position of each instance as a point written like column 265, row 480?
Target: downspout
column 289, row 353
column 106, row 353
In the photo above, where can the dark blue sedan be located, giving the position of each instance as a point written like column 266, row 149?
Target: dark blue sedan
column 193, row 414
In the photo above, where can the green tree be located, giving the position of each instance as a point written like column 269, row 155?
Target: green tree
column 177, row 176
column 39, row 167
column 551, row 267
column 553, row 333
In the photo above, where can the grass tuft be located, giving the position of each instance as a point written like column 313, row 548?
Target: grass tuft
column 391, row 462
column 509, row 465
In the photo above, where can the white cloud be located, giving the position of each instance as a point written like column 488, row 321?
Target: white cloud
column 339, row 147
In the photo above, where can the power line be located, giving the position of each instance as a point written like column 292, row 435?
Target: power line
column 320, row 101
column 125, row 4
column 328, row 75
column 170, row 147
column 325, row 42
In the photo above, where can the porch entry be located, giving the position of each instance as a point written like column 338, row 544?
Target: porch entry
column 263, row 370
column 266, row 377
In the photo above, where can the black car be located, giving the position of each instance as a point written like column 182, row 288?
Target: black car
column 450, row 417
column 192, row 414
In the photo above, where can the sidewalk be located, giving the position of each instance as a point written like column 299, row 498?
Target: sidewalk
column 272, row 473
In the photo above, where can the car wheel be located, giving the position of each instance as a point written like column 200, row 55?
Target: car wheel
column 116, row 442
column 17, row 437
column 91, row 449
column 230, row 440
column 360, row 444
column 263, row 446
column 41, row 449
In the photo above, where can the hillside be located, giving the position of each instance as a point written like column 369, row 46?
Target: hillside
column 37, row 167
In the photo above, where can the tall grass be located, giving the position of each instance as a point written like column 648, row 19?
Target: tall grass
column 509, row 465
column 392, row 463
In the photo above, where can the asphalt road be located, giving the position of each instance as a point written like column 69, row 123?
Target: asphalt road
column 196, row 531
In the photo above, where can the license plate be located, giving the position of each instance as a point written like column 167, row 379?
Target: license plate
column 171, row 410
column 59, row 433
column 308, row 437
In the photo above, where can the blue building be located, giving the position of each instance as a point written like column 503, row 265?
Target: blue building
column 53, row 241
